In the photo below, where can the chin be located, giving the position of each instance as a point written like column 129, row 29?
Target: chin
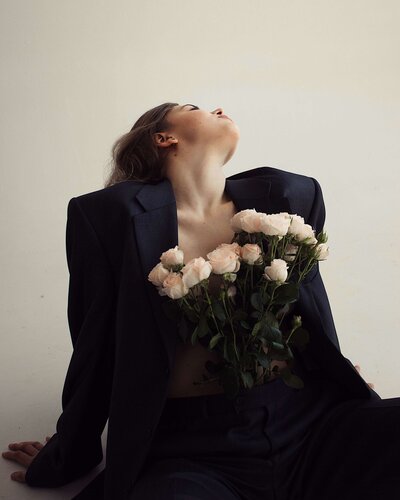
column 235, row 132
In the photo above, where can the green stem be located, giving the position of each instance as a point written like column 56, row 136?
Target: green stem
column 212, row 312
column 230, row 321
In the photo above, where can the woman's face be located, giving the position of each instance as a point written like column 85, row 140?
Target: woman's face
column 193, row 125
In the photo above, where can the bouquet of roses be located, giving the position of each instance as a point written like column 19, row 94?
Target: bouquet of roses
column 259, row 275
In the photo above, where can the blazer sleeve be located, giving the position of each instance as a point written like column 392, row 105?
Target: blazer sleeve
column 313, row 296
column 76, row 447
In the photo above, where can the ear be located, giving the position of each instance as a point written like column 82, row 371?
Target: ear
column 163, row 140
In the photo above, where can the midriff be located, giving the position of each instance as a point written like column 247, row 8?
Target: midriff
column 186, row 379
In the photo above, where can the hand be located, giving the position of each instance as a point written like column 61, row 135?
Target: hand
column 357, row 367
column 23, row 453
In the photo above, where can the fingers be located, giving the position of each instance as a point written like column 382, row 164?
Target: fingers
column 19, row 476
column 18, row 456
column 29, row 448
column 23, row 453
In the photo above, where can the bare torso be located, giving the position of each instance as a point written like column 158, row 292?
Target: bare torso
column 196, row 240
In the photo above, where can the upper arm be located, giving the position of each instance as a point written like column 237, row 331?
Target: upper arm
column 88, row 382
column 91, row 284
column 313, row 299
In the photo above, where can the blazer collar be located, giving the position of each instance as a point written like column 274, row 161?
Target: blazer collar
column 156, row 230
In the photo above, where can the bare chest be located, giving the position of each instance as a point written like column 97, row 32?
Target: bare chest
column 196, row 240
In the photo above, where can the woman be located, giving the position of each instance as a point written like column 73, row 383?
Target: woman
column 169, row 438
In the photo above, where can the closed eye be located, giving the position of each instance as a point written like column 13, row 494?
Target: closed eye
column 194, row 107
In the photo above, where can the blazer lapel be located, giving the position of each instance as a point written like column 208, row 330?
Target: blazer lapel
column 156, row 230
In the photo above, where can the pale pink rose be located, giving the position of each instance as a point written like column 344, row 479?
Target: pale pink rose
column 233, row 246
column 196, row 270
column 174, row 286
column 250, row 253
column 292, row 216
column 172, row 257
column 246, row 220
column 302, row 232
column 224, row 260
column 291, row 251
column 275, row 224
column 299, row 218
column 322, row 251
column 158, row 274
column 277, row 271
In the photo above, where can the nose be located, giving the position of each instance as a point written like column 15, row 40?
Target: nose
column 219, row 111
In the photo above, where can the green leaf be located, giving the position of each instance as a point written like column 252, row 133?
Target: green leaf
column 203, row 326
column 248, row 380
column 194, row 336
column 256, row 328
column 245, row 324
column 192, row 315
column 266, row 298
column 278, row 346
column 256, row 301
column 272, row 334
column 294, row 381
column 218, row 309
column 270, row 319
column 214, row 340
column 262, row 358
column 286, row 293
column 291, row 379
column 282, row 352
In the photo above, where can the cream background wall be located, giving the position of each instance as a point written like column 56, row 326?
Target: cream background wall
column 315, row 89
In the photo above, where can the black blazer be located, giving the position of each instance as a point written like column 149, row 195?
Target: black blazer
column 124, row 345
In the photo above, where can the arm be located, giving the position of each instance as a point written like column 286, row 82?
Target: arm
column 76, row 447
column 313, row 304
column 312, row 287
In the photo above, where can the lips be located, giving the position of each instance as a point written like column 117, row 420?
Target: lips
column 224, row 116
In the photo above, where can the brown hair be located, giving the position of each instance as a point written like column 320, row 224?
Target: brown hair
column 135, row 156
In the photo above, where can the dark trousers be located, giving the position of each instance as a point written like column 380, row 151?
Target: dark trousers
column 274, row 442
